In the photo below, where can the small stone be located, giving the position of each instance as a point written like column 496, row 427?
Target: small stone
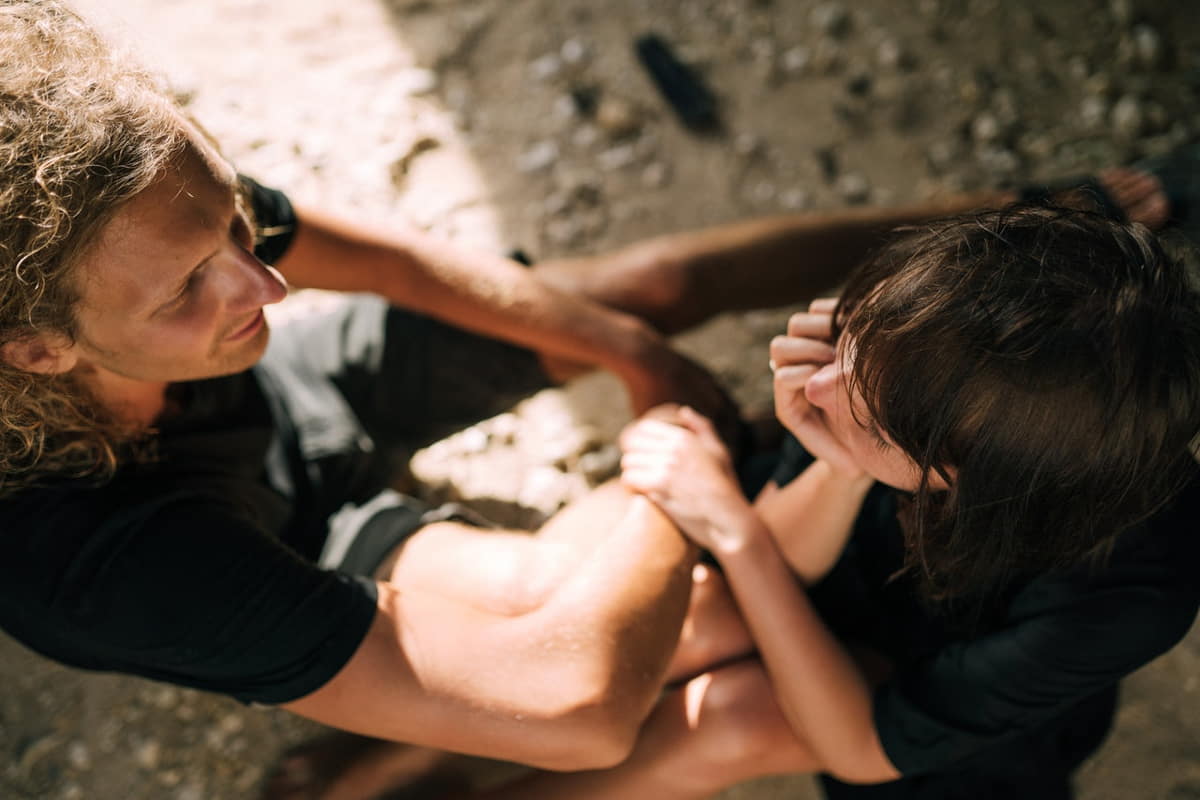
column 170, row 777
column 546, row 68
column 573, row 51
column 539, row 157
column 747, row 145
column 985, row 128
column 1122, row 11
column 795, row 199
column 795, row 60
column 891, row 55
column 1148, row 50
column 78, row 756
column 601, row 464
column 615, row 158
column 1078, row 68
column 656, row 175
column 72, row 791
column 585, row 136
column 1127, row 118
column 941, row 154
column 165, row 697
column 832, row 19
column 617, row 117
column 190, row 792
column 545, row 489
column 504, row 428
column 416, row 81
column 147, row 754
column 853, row 188
column 762, row 192
column 1093, row 112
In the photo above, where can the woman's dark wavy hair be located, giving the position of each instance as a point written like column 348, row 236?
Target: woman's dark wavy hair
column 1046, row 363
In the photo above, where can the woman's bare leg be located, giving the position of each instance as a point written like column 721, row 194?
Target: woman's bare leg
column 721, row 728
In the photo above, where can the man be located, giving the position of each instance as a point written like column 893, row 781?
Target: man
column 183, row 502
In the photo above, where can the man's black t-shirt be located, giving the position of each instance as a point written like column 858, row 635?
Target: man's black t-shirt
column 195, row 569
column 997, row 694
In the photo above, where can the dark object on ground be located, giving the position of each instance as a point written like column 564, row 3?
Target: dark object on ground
column 680, row 85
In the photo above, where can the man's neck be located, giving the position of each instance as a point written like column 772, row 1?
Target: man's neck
column 134, row 402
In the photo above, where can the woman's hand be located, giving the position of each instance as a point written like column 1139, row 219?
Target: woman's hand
column 795, row 358
column 684, row 469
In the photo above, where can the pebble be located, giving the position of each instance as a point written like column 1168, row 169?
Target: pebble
column 985, row 128
column 574, row 51
column 415, row 81
column 891, row 55
column 1127, row 118
column 78, row 756
column 795, row 199
column 546, row 67
column 538, row 157
column 795, row 60
column 147, row 754
column 832, row 19
column 748, row 145
column 600, row 464
column 1148, row 50
column 618, row 157
column 1122, row 11
column 853, row 188
column 617, row 117
column 656, row 175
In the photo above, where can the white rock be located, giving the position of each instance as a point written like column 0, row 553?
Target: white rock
column 547, row 67
column 656, row 175
column 573, row 51
column 795, row 60
column 78, row 756
column 618, row 157
column 415, row 81
column 147, row 754
column 853, row 187
column 540, row 156
column 1127, row 118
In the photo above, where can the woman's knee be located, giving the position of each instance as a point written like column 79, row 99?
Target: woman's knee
column 738, row 729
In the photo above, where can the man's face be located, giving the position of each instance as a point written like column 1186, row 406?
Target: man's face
column 171, row 290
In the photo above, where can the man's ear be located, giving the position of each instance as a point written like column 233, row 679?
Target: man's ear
column 43, row 353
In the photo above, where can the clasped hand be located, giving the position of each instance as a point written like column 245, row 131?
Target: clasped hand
column 675, row 458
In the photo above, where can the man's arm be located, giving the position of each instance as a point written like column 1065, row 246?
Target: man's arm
column 493, row 296
column 562, row 682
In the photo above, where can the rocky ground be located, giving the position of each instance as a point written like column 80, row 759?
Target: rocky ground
column 528, row 123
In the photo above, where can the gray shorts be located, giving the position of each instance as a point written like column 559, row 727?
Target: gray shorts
column 355, row 390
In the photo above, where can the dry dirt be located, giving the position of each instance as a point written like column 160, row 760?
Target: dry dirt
column 472, row 118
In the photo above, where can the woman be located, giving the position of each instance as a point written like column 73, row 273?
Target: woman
column 981, row 505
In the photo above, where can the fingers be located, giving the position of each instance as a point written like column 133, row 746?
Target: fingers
column 823, row 305
column 811, row 326
column 789, row 350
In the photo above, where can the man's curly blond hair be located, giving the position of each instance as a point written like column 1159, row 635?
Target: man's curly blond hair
column 82, row 131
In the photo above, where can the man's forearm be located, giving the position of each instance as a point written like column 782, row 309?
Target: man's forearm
column 478, row 291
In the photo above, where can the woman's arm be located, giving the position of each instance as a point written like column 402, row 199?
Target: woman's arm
column 811, row 517
column 824, row 695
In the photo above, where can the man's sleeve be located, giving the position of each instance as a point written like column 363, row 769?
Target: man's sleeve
column 195, row 596
column 978, row 693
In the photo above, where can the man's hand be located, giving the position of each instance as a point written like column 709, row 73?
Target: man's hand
column 684, row 469
column 795, row 358
column 664, row 376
